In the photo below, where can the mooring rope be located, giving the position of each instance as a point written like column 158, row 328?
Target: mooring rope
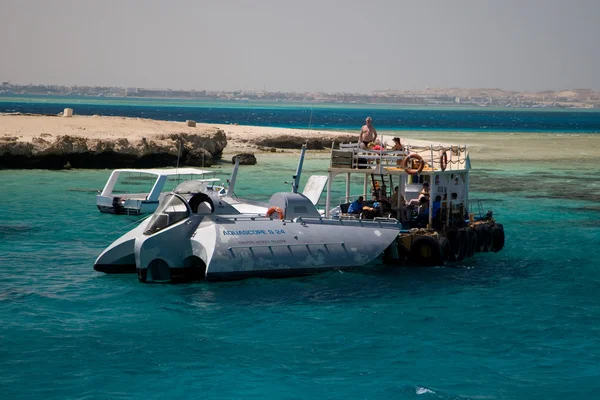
column 126, row 226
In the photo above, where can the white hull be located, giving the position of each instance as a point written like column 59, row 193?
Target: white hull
column 234, row 247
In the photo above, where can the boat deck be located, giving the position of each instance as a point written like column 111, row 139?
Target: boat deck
column 349, row 158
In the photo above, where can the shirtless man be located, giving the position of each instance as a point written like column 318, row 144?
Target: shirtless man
column 368, row 133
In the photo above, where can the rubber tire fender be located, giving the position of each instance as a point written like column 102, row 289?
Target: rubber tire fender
column 453, row 236
column 404, row 254
column 445, row 248
column 483, row 237
column 473, row 245
column 465, row 241
column 425, row 251
column 497, row 238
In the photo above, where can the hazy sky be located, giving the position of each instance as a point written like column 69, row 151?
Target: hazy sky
column 304, row 45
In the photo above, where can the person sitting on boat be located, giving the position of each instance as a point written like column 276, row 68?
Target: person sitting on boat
column 356, row 207
column 424, row 193
column 368, row 133
column 425, row 190
column 423, row 214
column 397, row 147
column 377, row 148
column 372, row 212
column 386, row 202
column 377, row 145
column 401, row 210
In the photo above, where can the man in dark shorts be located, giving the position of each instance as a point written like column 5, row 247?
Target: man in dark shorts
column 368, row 133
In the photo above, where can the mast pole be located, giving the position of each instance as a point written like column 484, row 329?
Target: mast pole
column 296, row 183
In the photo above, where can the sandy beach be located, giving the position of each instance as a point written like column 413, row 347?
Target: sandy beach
column 483, row 146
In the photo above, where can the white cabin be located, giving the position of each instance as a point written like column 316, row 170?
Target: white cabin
column 445, row 168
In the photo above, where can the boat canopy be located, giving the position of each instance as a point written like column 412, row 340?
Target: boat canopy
column 195, row 186
column 167, row 171
column 161, row 177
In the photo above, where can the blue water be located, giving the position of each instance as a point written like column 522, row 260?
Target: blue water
column 319, row 116
column 519, row 324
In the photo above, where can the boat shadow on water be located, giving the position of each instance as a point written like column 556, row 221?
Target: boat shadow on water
column 350, row 286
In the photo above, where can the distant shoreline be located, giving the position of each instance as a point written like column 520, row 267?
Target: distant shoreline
column 90, row 100
column 321, row 117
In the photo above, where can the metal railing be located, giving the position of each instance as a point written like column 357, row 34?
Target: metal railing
column 435, row 158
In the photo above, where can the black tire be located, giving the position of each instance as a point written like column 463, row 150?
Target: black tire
column 484, row 237
column 403, row 254
column 464, row 244
column 497, row 238
column 446, row 249
column 487, row 233
column 480, row 238
column 454, row 237
column 396, row 254
column 425, row 251
column 473, row 245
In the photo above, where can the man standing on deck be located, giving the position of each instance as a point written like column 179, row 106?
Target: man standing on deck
column 368, row 133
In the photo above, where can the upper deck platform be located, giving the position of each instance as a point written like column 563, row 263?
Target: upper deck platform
column 441, row 158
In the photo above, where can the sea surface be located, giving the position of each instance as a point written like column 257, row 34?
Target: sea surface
column 318, row 116
column 520, row 324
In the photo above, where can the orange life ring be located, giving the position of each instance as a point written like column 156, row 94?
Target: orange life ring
column 443, row 161
column 273, row 210
column 409, row 168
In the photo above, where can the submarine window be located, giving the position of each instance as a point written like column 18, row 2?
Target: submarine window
column 171, row 210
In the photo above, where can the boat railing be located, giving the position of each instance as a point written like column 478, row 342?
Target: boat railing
column 244, row 217
column 477, row 208
column 123, row 194
column 346, row 218
column 435, row 157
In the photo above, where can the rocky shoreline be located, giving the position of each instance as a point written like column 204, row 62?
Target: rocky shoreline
column 47, row 152
column 56, row 142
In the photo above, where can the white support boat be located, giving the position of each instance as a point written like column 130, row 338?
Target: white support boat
column 136, row 203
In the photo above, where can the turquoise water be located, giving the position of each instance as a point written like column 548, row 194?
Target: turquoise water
column 520, row 324
column 318, row 116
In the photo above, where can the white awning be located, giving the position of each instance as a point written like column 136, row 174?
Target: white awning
column 167, row 171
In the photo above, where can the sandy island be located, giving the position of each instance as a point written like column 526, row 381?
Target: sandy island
column 239, row 138
column 483, row 146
